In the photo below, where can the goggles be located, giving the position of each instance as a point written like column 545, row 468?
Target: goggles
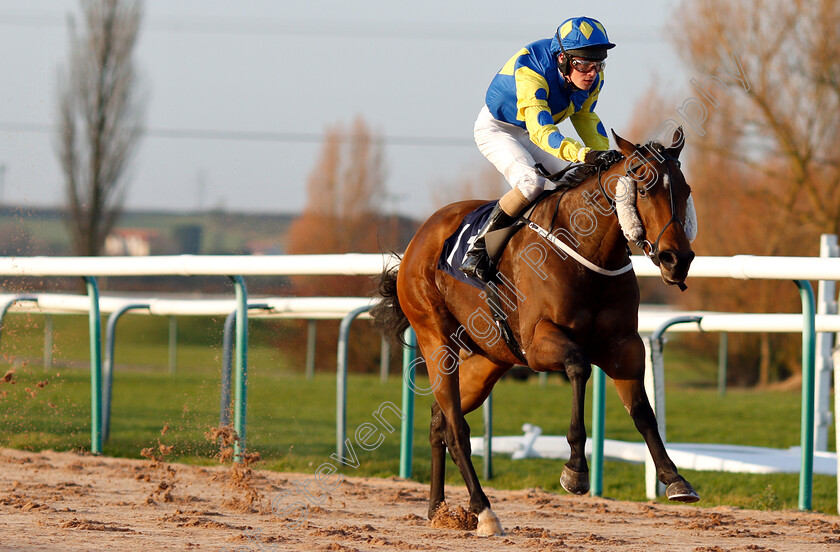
column 586, row 65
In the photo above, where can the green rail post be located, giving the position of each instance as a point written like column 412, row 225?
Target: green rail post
column 241, row 379
column 173, row 344
column 598, row 392
column 95, row 367
column 723, row 361
column 809, row 338
column 341, row 378
column 311, row 343
column 488, row 438
column 407, row 431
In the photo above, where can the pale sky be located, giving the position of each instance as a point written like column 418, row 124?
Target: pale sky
column 240, row 92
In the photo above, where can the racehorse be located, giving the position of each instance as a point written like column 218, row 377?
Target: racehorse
column 567, row 292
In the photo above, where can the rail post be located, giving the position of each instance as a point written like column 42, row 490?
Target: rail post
column 95, row 325
column 407, row 430
column 110, row 338
column 311, row 343
column 227, row 362
column 341, row 378
column 723, row 363
column 826, row 304
column 598, row 409
column 173, row 344
column 806, row 472
column 240, row 408
column 488, row 437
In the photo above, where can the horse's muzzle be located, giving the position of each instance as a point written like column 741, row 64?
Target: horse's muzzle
column 674, row 265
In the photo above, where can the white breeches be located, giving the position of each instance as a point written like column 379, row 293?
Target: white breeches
column 512, row 152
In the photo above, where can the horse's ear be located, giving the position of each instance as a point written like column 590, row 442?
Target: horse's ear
column 627, row 148
column 677, row 142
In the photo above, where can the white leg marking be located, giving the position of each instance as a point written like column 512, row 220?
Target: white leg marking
column 489, row 524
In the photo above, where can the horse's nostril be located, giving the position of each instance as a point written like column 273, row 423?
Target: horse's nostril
column 668, row 259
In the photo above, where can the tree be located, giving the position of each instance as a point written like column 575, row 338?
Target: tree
column 101, row 118
column 344, row 192
column 785, row 123
column 763, row 160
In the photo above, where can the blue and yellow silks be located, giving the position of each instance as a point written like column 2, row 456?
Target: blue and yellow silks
column 530, row 92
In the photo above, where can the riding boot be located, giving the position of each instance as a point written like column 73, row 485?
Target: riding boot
column 476, row 261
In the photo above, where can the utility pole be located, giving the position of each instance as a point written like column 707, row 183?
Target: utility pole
column 2, row 181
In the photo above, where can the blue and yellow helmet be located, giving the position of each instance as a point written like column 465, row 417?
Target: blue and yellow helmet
column 582, row 37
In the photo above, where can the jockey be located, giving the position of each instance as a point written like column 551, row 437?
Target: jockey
column 546, row 82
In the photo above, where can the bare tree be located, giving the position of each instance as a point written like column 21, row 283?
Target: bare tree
column 101, row 118
column 765, row 168
column 786, row 112
column 344, row 193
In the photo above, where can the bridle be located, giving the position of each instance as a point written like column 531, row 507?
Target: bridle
column 651, row 250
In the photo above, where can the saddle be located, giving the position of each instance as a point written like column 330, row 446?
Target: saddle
column 455, row 246
column 570, row 177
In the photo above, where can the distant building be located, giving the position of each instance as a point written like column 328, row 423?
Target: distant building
column 130, row 242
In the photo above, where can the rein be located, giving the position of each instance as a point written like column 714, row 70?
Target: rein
column 651, row 250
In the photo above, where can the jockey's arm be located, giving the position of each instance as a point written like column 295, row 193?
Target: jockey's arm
column 532, row 107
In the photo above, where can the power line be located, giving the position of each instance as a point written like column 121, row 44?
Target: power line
column 255, row 136
column 332, row 29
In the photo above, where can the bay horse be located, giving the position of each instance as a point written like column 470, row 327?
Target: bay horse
column 564, row 311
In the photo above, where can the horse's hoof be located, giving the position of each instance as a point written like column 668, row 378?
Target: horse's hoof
column 489, row 524
column 682, row 491
column 575, row 482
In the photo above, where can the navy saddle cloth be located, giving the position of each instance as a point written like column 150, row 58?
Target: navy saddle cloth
column 455, row 247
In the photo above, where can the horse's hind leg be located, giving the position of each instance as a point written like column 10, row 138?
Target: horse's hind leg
column 442, row 364
column 477, row 376
column 437, row 438
column 458, row 443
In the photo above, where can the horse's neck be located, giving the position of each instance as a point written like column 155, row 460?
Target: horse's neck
column 580, row 209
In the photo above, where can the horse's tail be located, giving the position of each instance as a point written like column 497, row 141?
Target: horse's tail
column 388, row 316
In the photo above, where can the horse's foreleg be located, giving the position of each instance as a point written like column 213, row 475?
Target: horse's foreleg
column 575, row 476
column 632, row 393
column 552, row 350
column 627, row 369
column 437, row 438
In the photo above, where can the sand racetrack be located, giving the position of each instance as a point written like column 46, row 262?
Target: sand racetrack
column 66, row 501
